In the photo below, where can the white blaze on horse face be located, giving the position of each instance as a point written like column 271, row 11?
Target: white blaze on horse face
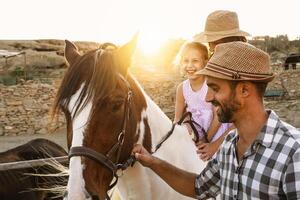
column 76, row 185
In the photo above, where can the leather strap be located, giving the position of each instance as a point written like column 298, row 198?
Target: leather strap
column 90, row 153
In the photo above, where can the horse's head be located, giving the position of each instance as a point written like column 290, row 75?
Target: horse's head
column 103, row 107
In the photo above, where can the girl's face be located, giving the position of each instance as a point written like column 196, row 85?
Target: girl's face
column 192, row 61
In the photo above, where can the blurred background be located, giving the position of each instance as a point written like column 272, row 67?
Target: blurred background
column 32, row 65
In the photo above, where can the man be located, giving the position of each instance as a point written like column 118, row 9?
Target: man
column 221, row 26
column 260, row 159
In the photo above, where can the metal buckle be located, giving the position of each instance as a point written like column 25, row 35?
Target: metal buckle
column 121, row 137
column 129, row 95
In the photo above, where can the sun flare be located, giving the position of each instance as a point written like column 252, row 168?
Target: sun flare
column 150, row 41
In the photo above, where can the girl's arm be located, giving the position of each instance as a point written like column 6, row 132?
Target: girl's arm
column 214, row 126
column 207, row 150
column 179, row 103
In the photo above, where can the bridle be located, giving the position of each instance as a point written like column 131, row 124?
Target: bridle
column 186, row 118
column 116, row 167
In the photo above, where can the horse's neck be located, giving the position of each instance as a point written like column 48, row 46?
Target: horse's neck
column 159, row 123
column 154, row 187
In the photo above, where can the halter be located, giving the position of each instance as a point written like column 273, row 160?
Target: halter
column 116, row 167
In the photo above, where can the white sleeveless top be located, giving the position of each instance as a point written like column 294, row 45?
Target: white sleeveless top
column 202, row 111
column 196, row 104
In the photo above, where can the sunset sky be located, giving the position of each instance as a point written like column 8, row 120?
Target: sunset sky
column 156, row 20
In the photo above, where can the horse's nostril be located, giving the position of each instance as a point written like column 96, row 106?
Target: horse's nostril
column 91, row 196
column 95, row 197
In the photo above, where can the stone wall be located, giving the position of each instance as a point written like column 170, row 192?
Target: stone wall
column 161, row 88
column 24, row 108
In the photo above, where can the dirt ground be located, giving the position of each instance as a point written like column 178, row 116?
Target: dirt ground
column 8, row 142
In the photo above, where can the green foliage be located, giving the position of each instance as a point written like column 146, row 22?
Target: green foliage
column 12, row 77
column 18, row 72
column 8, row 79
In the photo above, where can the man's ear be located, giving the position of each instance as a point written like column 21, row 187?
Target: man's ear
column 245, row 88
column 71, row 52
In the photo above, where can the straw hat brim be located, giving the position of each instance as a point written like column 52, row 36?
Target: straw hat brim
column 210, row 73
column 205, row 37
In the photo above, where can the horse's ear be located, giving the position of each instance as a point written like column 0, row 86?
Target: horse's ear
column 126, row 51
column 71, row 52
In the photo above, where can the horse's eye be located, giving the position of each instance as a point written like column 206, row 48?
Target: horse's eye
column 116, row 105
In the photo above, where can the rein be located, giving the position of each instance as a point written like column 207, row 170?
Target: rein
column 182, row 120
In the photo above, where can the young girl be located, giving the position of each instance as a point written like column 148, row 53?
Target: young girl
column 190, row 96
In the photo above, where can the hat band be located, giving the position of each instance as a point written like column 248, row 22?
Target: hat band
column 222, row 32
column 234, row 74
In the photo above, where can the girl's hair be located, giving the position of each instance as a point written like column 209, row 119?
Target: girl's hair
column 191, row 45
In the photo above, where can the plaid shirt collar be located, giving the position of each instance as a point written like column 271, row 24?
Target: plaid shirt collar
column 266, row 135
column 269, row 169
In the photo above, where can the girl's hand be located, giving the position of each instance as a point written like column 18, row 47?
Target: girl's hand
column 206, row 150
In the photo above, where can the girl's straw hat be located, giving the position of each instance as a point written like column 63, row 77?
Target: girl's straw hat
column 239, row 61
column 220, row 24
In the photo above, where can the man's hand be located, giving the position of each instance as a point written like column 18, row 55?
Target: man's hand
column 142, row 155
column 180, row 180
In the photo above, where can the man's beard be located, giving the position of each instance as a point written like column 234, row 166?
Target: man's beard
column 226, row 111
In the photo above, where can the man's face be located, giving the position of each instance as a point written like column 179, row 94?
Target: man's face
column 223, row 98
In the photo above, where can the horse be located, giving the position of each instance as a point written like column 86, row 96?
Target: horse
column 292, row 59
column 26, row 183
column 107, row 112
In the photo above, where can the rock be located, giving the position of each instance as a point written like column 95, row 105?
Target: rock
column 2, row 111
column 42, row 131
column 30, row 131
column 29, row 103
column 1, row 131
column 296, row 121
column 8, row 127
column 13, row 102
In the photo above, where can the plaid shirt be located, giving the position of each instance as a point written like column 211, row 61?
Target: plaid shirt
column 269, row 169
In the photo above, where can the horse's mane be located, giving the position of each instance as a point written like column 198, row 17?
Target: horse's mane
column 95, row 72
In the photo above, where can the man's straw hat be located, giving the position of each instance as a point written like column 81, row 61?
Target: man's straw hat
column 220, row 24
column 239, row 61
